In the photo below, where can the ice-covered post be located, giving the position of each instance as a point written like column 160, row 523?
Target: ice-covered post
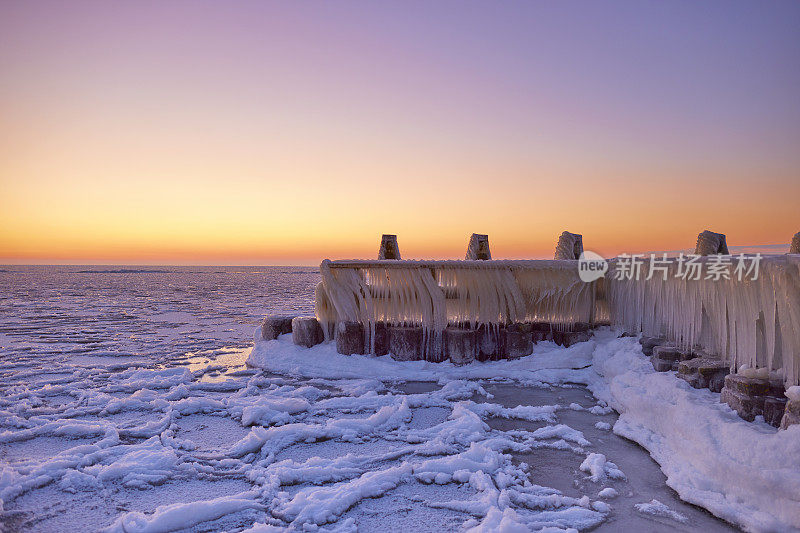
column 306, row 331
column 792, row 414
column 389, row 248
column 794, row 248
column 478, row 248
column 461, row 345
column 272, row 326
column 349, row 337
column 570, row 246
column 710, row 243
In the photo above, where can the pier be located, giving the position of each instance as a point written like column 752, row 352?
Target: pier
column 717, row 331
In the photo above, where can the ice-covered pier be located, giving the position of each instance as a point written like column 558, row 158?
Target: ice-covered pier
column 743, row 323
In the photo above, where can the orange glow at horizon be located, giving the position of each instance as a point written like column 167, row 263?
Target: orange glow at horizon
column 177, row 136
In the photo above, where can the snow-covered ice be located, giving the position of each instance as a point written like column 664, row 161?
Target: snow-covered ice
column 327, row 451
column 656, row 508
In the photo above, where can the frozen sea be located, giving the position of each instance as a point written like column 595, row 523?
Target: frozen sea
column 127, row 406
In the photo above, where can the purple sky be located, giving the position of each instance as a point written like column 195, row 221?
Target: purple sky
column 191, row 116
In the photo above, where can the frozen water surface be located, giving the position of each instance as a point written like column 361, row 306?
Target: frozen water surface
column 127, row 406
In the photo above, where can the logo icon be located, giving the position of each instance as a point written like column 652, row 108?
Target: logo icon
column 591, row 266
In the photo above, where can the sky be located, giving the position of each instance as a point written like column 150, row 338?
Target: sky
column 153, row 132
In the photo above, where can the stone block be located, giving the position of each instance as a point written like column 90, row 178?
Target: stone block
column 777, row 388
column 702, row 373
column 541, row 336
column 350, row 338
column 568, row 338
column 461, row 345
column 774, row 408
column 306, row 331
column 381, row 338
column 716, row 381
column 274, row 326
column 648, row 343
column 661, row 365
column 751, row 397
column 490, row 346
column 747, row 407
column 541, row 331
column 747, row 386
column 666, row 353
column 517, row 340
column 405, row 343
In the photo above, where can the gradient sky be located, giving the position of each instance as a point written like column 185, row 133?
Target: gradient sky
column 287, row 132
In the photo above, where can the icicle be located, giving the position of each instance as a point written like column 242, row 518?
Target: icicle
column 746, row 322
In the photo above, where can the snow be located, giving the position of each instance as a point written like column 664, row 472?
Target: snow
column 745, row 477
column 743, row 472
column 323, row 505
column 656, row 508
column 793, row 393
column 607, row 493
column 548, row 364
column 312, row 440
column 178, row 516
column 600, row 469
column 137, row 429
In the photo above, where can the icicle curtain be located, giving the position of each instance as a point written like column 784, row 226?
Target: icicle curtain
column 435, row 294
column 749, row 321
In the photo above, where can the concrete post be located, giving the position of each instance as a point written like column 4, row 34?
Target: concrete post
column 306, row 331
column 794, row 248
column 405, row 343
column 350, row 338
column 490, row 343
column 478, row 248
column 274, row 326
column 381, row 339
column 518, row 341
column 542, row 331
column 389, row 248
column 461, row 345
column 570, row 246
column 710, row 243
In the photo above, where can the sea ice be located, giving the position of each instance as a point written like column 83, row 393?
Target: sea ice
column 334, row 442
